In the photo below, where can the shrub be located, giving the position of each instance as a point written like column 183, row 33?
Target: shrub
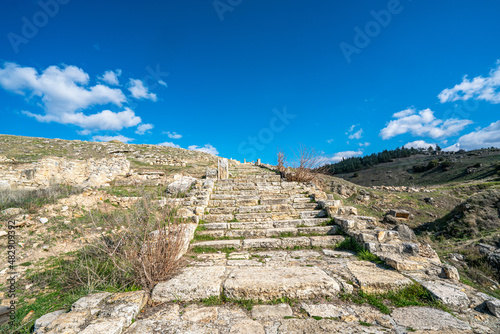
column 150, row 240
column 137, row 248
column 308, row 163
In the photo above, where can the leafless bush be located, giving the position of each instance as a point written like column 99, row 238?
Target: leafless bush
column 148, row 239
column 308, row 160
column 281, row 162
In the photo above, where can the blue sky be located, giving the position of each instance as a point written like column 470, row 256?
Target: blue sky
column 241, row 78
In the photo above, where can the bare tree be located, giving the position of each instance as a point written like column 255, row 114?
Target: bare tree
column 308, row 160
column 281, row 162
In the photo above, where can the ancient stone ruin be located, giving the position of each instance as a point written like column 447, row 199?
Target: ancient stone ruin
column 263, row 239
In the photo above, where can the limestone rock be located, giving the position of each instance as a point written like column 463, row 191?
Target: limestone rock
column 181, row 185
column 192, row 284
column 493, row 305
column 451, row 272
column 271, row 283
column 271, row 311
column 425, row 318
column 324, row 310
column 223, row 169
column 405, row 233
column 89, row 302
column 46, row 319
column 113, row 325
column 451, row 295
column 373, row 279
column 247, row 327
column 69, row 323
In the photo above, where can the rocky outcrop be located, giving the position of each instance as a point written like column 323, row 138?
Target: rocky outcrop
column 54, row 170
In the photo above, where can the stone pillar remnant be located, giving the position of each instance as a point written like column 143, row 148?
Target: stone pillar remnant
column 223, row 169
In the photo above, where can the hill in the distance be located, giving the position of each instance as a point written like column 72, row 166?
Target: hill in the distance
column 430, row 169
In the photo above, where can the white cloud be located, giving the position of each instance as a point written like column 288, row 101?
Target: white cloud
column 364, row 144
column 452, row 148
column 479, row 87
column 163, row 83
column 121, row 138
column 104, row 120
column 84, row 132
column 486, row 137
column 61, row 90
column 142, row 128
column 169, row 144
column 172, row 135
column 354, row 135
column 111, row 77
column 423, row 123
column 64, row 92
column 419, row 144
column 342, row 155
column 207, row 149
column 404, row 113
column 329, row 141
column 139, row 91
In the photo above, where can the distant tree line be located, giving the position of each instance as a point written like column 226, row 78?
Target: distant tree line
column 358, row 163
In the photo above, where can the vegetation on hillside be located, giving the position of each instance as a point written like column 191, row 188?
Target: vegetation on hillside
column 357, row 163
column 479, row 213
column 135, row 249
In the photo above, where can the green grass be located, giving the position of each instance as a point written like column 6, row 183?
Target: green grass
column 246, row 303
column 413, row 295
column 60, row 281
column 365, row 323
column 203, row 249
column 350, row 244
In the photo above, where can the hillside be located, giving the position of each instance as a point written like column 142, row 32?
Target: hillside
column 450, row 168
column 120, row 238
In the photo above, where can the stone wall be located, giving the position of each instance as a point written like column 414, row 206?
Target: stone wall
column 50, row 170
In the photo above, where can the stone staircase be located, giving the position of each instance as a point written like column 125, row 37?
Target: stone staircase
column 263, row 240
column 255, row 209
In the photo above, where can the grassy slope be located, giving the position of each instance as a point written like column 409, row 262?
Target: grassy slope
column 31, row 149
column 396, row 173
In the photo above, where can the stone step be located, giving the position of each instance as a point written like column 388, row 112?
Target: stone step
column 283, row 208
column 254, row 217
column 306, row 206
column 267, row 224
column 237, row 192
column 232, row 202
column 271, row 232
column 261, row 177
column 313, row 214
column 272, row 243
column 233, row 197
column 238, row 283
column 352, row 223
